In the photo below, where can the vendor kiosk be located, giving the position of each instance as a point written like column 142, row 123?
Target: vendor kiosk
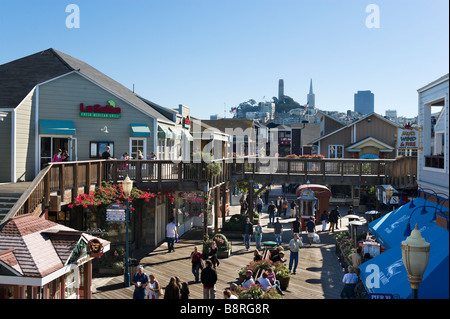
column 307, row 206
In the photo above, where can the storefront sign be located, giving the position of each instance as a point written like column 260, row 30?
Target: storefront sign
column 187, row 122
column 285, row 140
column 407, row 138
column 109, row 111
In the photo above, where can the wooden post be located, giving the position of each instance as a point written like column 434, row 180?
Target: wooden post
column 99, row 174
column 87, row 187
column 75, row 181
column 250, row 201
column 216, row 209
column 62, row 181
column 224, row 202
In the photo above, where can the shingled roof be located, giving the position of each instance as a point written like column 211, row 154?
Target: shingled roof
column 36, row 247
column 19, row 77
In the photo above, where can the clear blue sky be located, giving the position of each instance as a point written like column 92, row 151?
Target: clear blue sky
column 208, row 54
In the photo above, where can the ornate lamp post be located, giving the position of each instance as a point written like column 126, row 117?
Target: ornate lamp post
column 127, row 186
column 415, row 253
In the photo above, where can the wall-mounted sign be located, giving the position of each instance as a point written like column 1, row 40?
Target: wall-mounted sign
column 285, row 140
column 408, row 138
column 187, row 122
column 109, row 111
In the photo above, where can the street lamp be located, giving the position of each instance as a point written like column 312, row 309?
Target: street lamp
column 127, row 186
column 415, row 253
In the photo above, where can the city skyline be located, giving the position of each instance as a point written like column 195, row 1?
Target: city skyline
column 211, row 56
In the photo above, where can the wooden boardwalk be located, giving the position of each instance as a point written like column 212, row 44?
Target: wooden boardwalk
column 319, row 274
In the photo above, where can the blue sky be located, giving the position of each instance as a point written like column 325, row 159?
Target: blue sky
column 211, row 54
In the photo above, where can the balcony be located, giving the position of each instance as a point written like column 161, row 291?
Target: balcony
column 434, row 161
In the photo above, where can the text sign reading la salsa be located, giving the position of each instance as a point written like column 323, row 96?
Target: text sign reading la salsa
column 109, row 111
column 408, row 138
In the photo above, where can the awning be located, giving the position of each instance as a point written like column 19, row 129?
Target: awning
column 56, row 127
column 386, row 273
column 389, row 229
column 164, row 132
column 176, row 132
column 139, row 130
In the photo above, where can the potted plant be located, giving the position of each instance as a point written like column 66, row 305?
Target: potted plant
column 223, row 246
column 282, row 274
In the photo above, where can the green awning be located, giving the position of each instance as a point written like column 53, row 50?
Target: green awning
column 176, row 132
column 164, row 132
column 56, row 127
column 139, row 130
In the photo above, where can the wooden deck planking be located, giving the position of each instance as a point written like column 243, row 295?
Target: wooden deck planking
column 319, row 273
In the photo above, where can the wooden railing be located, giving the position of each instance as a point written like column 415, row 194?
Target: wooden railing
column 67, row 179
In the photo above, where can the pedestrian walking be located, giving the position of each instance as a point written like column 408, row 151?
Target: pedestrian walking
column 244, row 206
column 294, row 247
column 259, row 204
column 295, row 227
column 153, row 288
column 196, row 260
column 278, row 231
column 350, row 280
column 285, row 206
column 311, row 228
column 171, row 234
column 172, row 290
column 293, row 209
column 140, row 281
column 209, row 279
column 258, row 235
column 356, row 258
column 212, row 254
column 271, row 212
column 247, row 233
column 279, row 206
column 324, row 220
column 184, row 290
column 333, row 218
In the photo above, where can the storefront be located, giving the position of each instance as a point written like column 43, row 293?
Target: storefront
column 46, row 260
column 70, row 106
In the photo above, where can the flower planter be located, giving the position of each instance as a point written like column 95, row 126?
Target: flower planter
column 224, row 253
column 284, row 283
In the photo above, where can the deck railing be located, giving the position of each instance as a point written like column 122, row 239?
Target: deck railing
column 67, row 178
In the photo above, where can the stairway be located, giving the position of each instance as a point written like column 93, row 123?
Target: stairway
column 7, row 201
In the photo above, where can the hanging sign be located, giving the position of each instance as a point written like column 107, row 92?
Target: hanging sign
column 408, row 138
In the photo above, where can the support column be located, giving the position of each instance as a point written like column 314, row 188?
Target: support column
column 224, row 202
column 250, row 200
column 216, row 209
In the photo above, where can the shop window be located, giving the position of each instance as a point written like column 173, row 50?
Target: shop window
column 138, row 144
column 97, row 148
column 336, row 151
column 71, row 287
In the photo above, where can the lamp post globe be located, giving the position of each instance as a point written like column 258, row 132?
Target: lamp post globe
column 127, row 186
column 415, row 253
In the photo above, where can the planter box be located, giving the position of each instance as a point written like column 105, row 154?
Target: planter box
column 233, row 234
column 284, row 283
column 224, row 254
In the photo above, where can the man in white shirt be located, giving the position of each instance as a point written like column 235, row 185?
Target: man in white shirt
column 248, row 280
column 171, row 234
column 264, row 282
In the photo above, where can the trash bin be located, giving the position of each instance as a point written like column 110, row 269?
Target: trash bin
column 133, row 264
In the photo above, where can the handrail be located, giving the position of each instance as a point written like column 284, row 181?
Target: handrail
column 72, row 175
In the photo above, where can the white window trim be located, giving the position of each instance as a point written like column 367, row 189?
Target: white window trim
column 144, row 150
column 336, row 151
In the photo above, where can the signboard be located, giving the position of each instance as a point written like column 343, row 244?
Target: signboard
column 109, row 111
column 407, row 138
column 115, row 213
column 187, row 122
column 95, row 248
column 285, row 140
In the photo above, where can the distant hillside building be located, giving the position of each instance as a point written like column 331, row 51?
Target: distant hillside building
column 364, row 102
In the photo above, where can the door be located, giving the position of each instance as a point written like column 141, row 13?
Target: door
column 73, row 149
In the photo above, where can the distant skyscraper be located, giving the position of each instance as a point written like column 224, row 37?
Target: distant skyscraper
column 364, row 102
column 311, row 98
column 280, row 90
